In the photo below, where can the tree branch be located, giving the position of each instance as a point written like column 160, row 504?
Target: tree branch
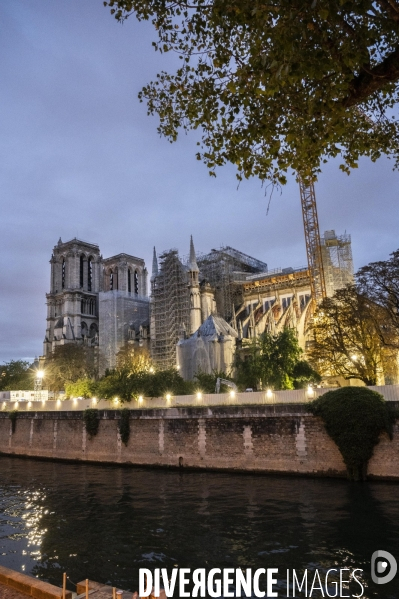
column 373, row 80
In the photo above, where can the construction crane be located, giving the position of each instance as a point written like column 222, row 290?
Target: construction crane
column 312, row 239
column 312, row 232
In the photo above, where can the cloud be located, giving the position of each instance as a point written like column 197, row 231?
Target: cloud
column 80, row 157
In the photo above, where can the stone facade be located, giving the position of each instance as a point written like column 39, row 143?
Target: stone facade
column 99, row 302
column 274, row 301
column 280, row 298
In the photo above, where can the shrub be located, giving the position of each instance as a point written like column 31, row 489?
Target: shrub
column 81, row 388
column 124, row 425
column 354, row 418
column 207, row 382
column 92, row 421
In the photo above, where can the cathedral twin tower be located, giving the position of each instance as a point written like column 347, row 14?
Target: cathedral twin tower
column 103, row 303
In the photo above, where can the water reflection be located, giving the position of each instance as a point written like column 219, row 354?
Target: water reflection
column 105, row 522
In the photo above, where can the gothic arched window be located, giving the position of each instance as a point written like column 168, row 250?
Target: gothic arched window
column 63, row 273
column 89, row 273
column 111, row 281
column 136, row 282
column 129, row 281
column 81, row 270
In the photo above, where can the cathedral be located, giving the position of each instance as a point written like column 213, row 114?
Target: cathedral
column 204, row 307
column 99, row 302
column 201, row 308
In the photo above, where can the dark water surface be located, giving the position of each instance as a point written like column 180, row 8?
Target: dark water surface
column 104, row 523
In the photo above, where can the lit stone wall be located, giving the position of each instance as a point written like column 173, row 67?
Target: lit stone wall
column 280, row 439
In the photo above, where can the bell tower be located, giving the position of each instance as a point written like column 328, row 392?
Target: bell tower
column 72, row 304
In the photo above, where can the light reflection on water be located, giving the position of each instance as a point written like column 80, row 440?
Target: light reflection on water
column 103, row 523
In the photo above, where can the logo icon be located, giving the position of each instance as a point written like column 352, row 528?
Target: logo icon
column 383, row 567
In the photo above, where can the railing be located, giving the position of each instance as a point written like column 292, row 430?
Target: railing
column 300, row 396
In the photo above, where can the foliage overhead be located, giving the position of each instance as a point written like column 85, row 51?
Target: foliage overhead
column 380, row 282
column 276, row 85
column 347, row 342
column 274, row 361
column 354, row 418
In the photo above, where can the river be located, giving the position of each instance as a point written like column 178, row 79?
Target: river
column 105, row 522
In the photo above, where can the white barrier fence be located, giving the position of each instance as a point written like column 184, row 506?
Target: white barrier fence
column 390, row 393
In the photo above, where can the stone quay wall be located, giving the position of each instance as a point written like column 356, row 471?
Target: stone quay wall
column 272, row 439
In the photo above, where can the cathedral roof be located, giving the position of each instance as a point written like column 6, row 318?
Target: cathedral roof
column 214, row 326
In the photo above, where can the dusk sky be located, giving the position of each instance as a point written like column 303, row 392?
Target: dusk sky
column 81, row 158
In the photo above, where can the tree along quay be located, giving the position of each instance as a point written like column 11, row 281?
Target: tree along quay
column 284, row 439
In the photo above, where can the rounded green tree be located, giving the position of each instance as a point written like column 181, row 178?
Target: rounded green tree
column 354, row 418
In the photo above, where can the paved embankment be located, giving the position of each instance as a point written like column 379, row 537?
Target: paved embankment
column 16, row 585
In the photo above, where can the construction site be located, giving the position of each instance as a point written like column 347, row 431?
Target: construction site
column 169, row 307
column 243, row 291
column 103, row 303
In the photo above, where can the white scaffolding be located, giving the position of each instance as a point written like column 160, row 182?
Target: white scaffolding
column 337, row 261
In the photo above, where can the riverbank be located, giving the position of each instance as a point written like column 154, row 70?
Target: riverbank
column 283, row 439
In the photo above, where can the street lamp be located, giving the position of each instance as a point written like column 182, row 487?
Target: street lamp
column 38, row 384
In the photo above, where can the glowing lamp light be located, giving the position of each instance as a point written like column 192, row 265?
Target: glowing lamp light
column 199, row 395
column 269, row 393
column 29, row 404
column 310, row 391
column 94, row 400
column 168, row 397
column 140, row 398
column 4, row 405
column 58, row 403
column 40, row 374
column 16, row 404
column 116, row 400
column 354, row 357
column 75, row 401
column 151, row 369
column 232, row 394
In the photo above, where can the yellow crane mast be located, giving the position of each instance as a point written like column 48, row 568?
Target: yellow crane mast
column 312, row 239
